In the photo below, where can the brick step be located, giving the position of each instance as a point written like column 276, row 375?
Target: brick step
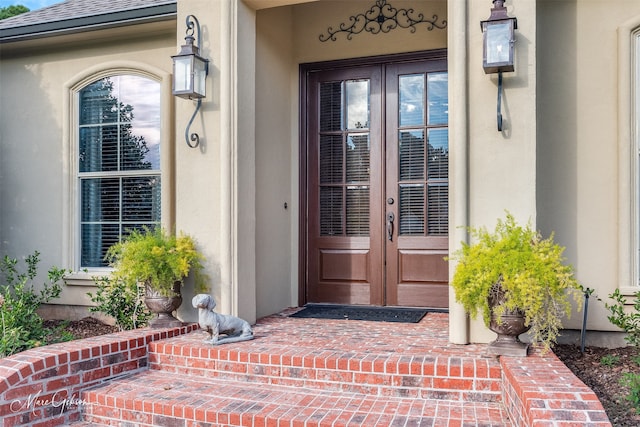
column 362, row 370
column 157, row 398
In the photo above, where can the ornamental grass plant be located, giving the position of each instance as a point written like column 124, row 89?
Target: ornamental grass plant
column 531, row 271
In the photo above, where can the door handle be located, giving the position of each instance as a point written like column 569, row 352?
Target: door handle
column 390, row 218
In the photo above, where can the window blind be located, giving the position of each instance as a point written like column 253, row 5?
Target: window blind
column 118, row 162
column 344, row 158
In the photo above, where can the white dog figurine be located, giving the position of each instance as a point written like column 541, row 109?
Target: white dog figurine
column 215, row 324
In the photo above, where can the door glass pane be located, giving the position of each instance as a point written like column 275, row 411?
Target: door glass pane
column 358, row 158
column 423, row 154
column 411, row 89
column 331, row 159
column 411, row 152
column 438, row 98
column 438, row 153
column 357, row 104
column 411, row 209
column 331, row 211
column 358, row 210
column 438, row 209
column 344, row 158
column 330, row 106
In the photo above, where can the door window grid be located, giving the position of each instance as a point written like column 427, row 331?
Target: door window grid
column 344, row 158
column 423, row 109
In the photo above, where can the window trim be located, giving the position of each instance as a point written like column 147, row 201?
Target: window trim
column 70, row 241
column 635, row 153
column 628, row 157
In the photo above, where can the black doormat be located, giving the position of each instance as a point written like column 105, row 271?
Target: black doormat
column 375, row 314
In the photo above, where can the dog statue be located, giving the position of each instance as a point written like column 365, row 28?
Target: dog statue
column 215, row 324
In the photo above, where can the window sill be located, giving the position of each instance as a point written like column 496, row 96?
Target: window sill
column 629, row 291
column 84, row 278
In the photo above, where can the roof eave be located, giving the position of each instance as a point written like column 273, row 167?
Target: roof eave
column 88, row 23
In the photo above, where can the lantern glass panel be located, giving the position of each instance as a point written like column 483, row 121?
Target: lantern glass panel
column 199, row 77
column 182, row 74
column 498, row 42
column 498, row 45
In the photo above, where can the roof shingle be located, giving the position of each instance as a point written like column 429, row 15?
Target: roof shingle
column 77, row 8
column 74, row 14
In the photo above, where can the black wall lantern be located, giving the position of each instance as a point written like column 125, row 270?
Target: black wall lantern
column 498, row 46
column 190, row 72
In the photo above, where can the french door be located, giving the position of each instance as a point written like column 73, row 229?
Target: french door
column 377, row 183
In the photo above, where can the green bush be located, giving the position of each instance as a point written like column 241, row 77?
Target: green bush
column 632, row 381
column 22, row 327
column 627, row 321
column 122, row 301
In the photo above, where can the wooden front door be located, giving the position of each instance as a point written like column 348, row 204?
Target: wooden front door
column 377, row 152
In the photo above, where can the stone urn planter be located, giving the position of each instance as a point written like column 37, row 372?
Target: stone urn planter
column 509, row 326
column 513, row 274
column 163, row 306
column 160, row 261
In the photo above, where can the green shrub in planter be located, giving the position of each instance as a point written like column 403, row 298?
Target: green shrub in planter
column 530, row 270
column 156, row 258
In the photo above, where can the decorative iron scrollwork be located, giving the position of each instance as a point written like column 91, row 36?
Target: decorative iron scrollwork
column 382, row 18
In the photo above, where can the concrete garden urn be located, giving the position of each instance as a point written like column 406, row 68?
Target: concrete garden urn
column 163, row 306
column 509, row 326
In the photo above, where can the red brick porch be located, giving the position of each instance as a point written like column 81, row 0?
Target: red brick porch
column 296, row 372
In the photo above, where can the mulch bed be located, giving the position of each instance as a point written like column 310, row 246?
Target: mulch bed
column 83, row 328
column 601, row 369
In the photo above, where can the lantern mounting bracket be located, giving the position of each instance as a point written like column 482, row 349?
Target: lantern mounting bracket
column 499, row 110
column 498, row 47
column 190, row 71
column 193, row 22
column 194, row 136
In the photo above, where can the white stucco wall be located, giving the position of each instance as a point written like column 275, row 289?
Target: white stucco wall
column 215, row 190
column 502, row 165
column 276, row 158
column 313, row 19
column 580, row 192
column 34, row 135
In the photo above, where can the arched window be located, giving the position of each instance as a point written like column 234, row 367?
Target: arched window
column 118, row 162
